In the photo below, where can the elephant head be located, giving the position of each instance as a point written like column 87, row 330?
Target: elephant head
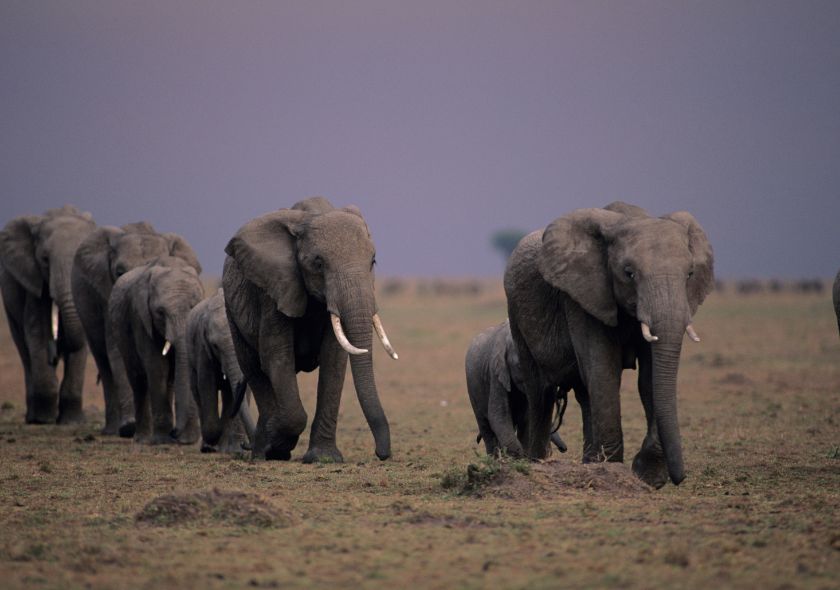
column 112, row 251
column 657, row 270
column 37, row 250
column 316, row 252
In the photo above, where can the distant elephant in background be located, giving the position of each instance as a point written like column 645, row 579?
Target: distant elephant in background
column 214, row 369
column 836, row 297
column 299, row 294
column 494, row 384
column 100, row 260
column 147, row 314
column 595, row 292
column 36, row 256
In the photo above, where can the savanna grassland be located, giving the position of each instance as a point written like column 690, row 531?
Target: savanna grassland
column 760, row 415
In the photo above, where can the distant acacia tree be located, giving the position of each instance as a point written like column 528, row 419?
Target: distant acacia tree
column 505, row 240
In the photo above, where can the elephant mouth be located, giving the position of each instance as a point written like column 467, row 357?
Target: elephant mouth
column 649, row 337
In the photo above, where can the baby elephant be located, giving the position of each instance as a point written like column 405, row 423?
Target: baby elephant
column 213, row 369
column 148, row 312
column 498, row 401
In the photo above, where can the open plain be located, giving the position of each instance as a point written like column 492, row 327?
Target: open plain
column 759, row 404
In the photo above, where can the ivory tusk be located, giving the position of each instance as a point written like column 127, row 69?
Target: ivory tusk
column 689, row 329
column 647, row 335
column 342, row 339
column 54, row 321
column 380, row 331
column 166, row 346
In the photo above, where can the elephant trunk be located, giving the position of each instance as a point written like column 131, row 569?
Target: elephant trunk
column 186, row 411
column 72, row 333
column 356, row 315
column 671, row 316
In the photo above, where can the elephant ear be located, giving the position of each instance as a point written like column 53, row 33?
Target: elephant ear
column 179, row 248
column 138, row 282
column 93, row 258
column 265, row 251
column 702, row 282
column 17, row 252
column 573, row 259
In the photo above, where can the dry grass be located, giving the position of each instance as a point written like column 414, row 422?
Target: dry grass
column 759, row 409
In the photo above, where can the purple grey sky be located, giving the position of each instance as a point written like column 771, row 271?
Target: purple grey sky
column 442, row 120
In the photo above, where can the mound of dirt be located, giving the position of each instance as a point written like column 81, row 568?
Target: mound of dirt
column 610, row 478
column 512, row 479
column 214, row 506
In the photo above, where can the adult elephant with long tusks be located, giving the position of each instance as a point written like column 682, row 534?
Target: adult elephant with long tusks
column 214, row 369
column 104, row 256
column 147, row 313
column 36, row 256
column 299, row 294
column 598, row 291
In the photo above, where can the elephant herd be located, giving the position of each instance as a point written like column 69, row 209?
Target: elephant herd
column 597, row 291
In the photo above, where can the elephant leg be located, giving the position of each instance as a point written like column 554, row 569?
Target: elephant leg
column 501, row 420
column 282, row 417
column 649, row 463
column 122, row 400
column 204, row 387
column 139, row 383
column 333, row 367
column 160, row 394
column 246, row 418
column 70, row 393
column 42, row 403
column 582, row 397
column 598, row 355
column 14, row 297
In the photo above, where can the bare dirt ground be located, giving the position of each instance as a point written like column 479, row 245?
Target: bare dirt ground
column 760, row 416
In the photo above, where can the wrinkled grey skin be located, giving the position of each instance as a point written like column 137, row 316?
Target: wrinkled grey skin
column 36, row 256
column 494, row 384
column 577, row 293
column 214, row 369
column 149, row 306
column 835, row 294
column 100, row 260
column 285, row 273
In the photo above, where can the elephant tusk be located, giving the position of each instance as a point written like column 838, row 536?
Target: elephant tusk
column 54, row 321
column 380, row 331
column 689, row 329
column 342, row 339
column 166, row 346
column 647, row 335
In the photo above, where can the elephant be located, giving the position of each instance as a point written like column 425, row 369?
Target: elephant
column 494, row 384
column 595, row 292
column 835, row 295
column 104, row 256
column 147, row 314
column 213, row 369
column 36, row 256
column 299, row 295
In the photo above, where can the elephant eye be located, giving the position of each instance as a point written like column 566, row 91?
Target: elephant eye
column 120, row 270
column 318, row 263
column 631, row 274
column 373, row 262
column 690, row 273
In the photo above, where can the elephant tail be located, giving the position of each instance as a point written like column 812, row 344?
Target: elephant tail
column 238, row 396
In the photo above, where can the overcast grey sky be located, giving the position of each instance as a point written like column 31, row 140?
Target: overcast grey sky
column 442, row 120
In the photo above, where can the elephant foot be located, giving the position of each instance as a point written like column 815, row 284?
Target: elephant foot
column 649, row 466
column 513, row 450
column 323, row 454
column 41, row 411
column 71, row 414
column 162, row 439
column 279, row 450
column 205, row 448
column 187, row 437
column 127, row 430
